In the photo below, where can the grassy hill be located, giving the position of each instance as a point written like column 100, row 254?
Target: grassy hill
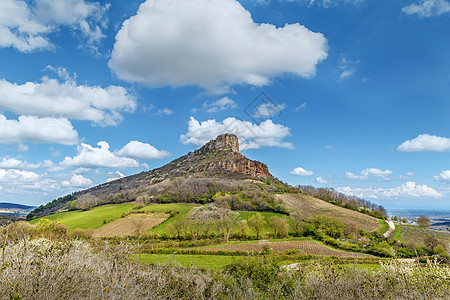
column 311, row 207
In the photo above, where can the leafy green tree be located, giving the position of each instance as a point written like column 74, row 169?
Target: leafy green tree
column 279, row 225
column 439, row 249
column 328, row 225
column 296, row 216
column 257, row 222
column 243, row 228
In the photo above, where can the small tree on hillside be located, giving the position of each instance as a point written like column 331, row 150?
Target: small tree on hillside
column 87, row 201
column 257, row 221
column 297, row 218
column 243, row 228
column 279, row 226
column 423, row 221
column 228, row 218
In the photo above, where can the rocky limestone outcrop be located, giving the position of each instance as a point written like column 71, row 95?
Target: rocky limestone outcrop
column 222, row 142
column 233, row 161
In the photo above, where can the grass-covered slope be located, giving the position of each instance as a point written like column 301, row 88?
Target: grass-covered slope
column 311, row 207
column 91, row 219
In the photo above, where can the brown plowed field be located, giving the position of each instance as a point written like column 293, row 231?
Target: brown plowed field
column 305, row 247
column 131, row 225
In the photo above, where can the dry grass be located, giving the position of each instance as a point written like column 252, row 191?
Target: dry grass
column 311, row 207
column 418, row 235
column 74, row 269
column 304, row 247
column 132, row 225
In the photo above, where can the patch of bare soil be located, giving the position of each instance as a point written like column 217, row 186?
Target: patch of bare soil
column 132, row 225
column 305, row 247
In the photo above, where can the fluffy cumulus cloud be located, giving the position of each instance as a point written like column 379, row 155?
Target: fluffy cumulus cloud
column 37, row 130
column 179, row 43
column 17, row 176
column 52, row 98
column 301, row 172
column 407, row 190
column 251, row 136
column 366, row 173
column 77, row 181
column 26, row 25
column 444, row 176
column 135, row 149
column 14, row 163
column 101, row 157
column 428, row 8
column 425, row 142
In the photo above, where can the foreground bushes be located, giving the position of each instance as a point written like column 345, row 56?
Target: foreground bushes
column 45, row 268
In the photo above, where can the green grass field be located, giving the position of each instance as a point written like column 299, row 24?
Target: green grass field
column 90, row 219
column 182, row 209
column 384, row 226
column 212, row 262
column 397, row 234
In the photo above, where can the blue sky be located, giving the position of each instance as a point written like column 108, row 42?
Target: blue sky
column 350, row 94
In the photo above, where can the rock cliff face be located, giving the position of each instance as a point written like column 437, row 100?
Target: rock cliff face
column 222, row 142
column 232, row 161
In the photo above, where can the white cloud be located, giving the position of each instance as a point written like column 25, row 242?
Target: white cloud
column 321, row 180
column 301, row 172
column 135, row 149
column 408, row 189
column 329, row 3
column 426, row 142
column 26, row 25
column 41, row 185
column 444, row 176
column 14, row 163
column 92, row 157
column 348, row 68
column 51, row 98
column 22, row 148
column 182, row 43
column 364, row 175
column 77, row 181
column 33, row 129
column 114, row 176
column 428, row 8
column 268, row 110
column 165, row 112
column 301, row 107
column 13, row 175
column 251, row 136
column 224, row 103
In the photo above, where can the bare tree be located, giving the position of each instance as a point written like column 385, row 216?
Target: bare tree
column 86, row 201
column 229, row 218
column 423, row 221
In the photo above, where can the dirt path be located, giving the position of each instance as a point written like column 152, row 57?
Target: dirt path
column 390, row 230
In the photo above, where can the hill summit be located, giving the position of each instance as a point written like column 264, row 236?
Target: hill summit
column 214, row 162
